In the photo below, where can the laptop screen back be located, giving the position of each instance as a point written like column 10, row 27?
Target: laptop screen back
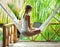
column 37, row 24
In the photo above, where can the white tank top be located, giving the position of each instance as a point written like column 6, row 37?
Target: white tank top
column 24, row 24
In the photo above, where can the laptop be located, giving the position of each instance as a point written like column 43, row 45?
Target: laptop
column 37, row 24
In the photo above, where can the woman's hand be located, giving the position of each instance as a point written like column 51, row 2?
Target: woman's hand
column 31, row 28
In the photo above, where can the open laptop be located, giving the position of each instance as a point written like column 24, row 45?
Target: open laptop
column 37, row 24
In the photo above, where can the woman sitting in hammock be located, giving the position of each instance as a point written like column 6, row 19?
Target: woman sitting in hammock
column 26, row 28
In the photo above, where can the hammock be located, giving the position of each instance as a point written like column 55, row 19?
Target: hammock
column 16, row 22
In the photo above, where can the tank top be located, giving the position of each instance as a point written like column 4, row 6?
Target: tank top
column 24, row 24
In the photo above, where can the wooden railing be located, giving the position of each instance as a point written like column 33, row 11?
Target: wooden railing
column 9, row 34
column 49, row 38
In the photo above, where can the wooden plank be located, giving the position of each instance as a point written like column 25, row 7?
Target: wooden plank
column 54, row 23
column 9, row 25
column 4, row 36
column 15, row 34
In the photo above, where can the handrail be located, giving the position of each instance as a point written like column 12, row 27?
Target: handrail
column 55, row 23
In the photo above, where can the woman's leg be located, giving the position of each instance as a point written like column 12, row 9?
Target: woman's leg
column 33, row 32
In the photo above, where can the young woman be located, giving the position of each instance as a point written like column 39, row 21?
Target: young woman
column 26, row 27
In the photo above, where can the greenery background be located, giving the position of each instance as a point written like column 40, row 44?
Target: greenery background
column 40, row 12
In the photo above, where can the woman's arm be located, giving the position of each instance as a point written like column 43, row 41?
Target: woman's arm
column 27, row 18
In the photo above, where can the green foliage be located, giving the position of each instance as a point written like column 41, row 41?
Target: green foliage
column 14, row 10
column 40, row 12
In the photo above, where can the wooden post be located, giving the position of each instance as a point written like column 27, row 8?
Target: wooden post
column 15, row 34
column 4, row 36
column 11, row 37
column 8, row 37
